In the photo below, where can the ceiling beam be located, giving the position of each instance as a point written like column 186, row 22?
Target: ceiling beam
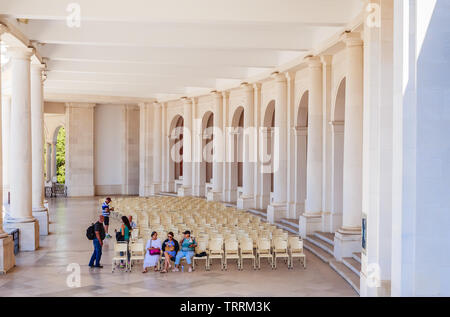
column 198, row 11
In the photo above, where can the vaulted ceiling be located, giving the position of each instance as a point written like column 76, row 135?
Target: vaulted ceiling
column 170, row 48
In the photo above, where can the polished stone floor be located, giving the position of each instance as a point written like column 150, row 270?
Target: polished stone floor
column 44, row 272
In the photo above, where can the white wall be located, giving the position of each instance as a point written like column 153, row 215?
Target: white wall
column 109, row 126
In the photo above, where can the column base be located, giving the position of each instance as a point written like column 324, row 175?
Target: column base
column 296, row 210
column 331, row 222
column 370, row 287
column 80, row 191
column 7, row 258
column 214, row 196
column 28, row 234
column 155, row 189
column 184, row 191
column 245, row 202
column 230, row 195
column 41, row 216
column 308, row 223
column 346, row 243
column 263, row 201
column 276, row 211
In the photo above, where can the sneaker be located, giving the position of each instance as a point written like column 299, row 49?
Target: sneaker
column 99, row 266
column 190, row 270
column 176, row 270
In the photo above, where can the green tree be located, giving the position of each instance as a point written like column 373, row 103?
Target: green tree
column 61, row 156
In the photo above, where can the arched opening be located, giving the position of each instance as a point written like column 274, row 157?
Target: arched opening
column 176, row 152
column 60, row 140
column 301, row 145
column 206, row 165
column 337, row 161
column 267, row 158
column 237, row 135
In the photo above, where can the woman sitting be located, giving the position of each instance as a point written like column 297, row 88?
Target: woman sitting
column 188, row 245
column 170, row 248
column 153, row 252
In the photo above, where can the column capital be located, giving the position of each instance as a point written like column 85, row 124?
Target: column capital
column 186, row 101
column 352, row 39
column 326, row 59
column 246, row 86
column 216, row 94
column 313, row 61
column 278, row 77
column 257, row 86
column 17, row 52
column 157, row 105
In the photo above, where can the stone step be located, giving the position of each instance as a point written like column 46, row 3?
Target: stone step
column 291, row 222
column 328, row 247
column 325, row 236
column 258, row 212
column 346, row 274
column 319, row 252
column 172, row 194
column 287, row 227
column 353, row 265
column 357, row 256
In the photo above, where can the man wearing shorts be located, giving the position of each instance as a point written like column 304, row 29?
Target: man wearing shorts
column 106, row 212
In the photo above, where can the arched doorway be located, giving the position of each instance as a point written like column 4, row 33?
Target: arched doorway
column 176, row 153
column 206, row 165
column 301, row 145
column 267, row 154
column 337, row 160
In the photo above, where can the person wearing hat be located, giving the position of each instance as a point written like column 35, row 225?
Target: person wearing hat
column 188, row 245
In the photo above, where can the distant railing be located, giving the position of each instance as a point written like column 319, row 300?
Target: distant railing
column 56, row 190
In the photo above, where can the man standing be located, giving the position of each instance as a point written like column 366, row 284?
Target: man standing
column 106, row 211
column 98, row 243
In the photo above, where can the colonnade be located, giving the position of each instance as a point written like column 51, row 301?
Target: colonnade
column 314, row 143
column 22, row 154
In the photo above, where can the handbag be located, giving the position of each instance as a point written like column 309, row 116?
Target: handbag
column 119, row 236
column 154, row 252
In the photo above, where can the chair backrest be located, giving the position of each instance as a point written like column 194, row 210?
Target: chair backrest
column 247, row 245
column 296, row 246
column 280, row 245
column 231, row 245
column 137, row 247
column 120, row 247
column 202, row 245
column 263, row 244
column 215, row 245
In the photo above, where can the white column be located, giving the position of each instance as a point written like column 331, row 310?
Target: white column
column 218, row 153
column 377, row 151
column 144, row 151
column 186, row 189
column 49, row 162
column 277, row 209
column 247, row 199
column 311, row 220
column 20, row 214
column 291, row 146
column 6, row 126
column 327, row 137
column 157, row 148
column 347, row 239
column 37, row 140
column 7, row 259
column 53, row 163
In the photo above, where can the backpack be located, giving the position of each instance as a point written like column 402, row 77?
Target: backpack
column 90, row 232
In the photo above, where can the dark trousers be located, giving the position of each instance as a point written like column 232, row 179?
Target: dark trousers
column 97, row 255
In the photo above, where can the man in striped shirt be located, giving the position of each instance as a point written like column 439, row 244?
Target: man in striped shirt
column 106, row 211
